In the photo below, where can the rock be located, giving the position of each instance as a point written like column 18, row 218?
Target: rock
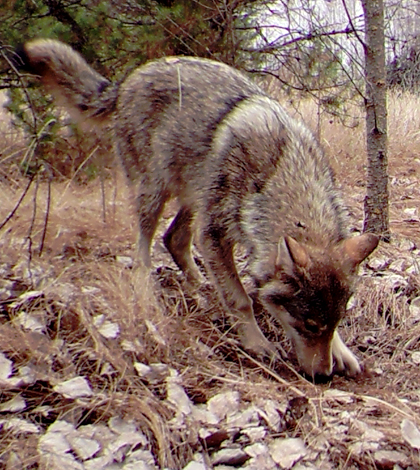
column 176, row 396
column 126, row 261
column 256, row 449
column 14, row 405
column 203, row 415
column 223, row 404
column 399, row 265
column 415, row 357
column 30, row 322
column 120, row 426
column 379, row 263
column 410, row 433
column 78, row 387
column 339, row 396
column 243, row 419
column 142, row 370
column 195, row 466
column 108, row 329
column 270, row 412
column 5, row 367
column 84, row 448
column 387, row 459
column 19, row 426
column 230, row 456
column 53, row 442
column 286, row 452
column 255, row 433
column 214, row 438
column 405, row 244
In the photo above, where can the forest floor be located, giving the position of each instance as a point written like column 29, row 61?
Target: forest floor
column 103, row 367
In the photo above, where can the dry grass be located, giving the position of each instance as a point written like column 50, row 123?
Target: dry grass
column 78, row 277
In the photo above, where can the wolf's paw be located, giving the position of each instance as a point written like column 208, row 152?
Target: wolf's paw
column 253, row 340
column 345, row 361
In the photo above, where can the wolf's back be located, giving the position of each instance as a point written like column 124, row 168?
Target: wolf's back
column 68, row 77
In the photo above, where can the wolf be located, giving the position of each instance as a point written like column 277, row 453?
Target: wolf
column 244, row 173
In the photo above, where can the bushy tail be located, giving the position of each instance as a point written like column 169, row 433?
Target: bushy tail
column 67, row 76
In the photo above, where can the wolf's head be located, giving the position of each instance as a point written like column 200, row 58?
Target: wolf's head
column 308, row 291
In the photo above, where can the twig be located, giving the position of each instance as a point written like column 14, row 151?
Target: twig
column 12, row 213
column 47, row 212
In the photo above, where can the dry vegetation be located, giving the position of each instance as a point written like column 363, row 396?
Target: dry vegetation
column 80, row 281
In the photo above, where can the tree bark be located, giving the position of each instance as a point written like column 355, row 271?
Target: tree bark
column 376, row 200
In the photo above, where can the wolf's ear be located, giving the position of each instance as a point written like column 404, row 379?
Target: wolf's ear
column 356, row 249
column 290, row 253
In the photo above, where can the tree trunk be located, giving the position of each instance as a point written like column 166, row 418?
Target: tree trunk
column 376, row 200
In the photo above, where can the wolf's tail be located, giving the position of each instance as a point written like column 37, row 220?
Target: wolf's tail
column 67, row 76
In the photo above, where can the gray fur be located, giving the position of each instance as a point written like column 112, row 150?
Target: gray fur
column 243, row 172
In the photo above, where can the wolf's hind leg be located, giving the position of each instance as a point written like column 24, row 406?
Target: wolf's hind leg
column 149, row 209
column 178, row 240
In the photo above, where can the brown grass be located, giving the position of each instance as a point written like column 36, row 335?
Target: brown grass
column 78, row 278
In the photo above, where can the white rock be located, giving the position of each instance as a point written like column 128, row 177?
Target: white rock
column 269, row 411
column 394, row 281
column 159, row 368
column 126, row 261
column 223, row 404
column 415, row 357
column 17, row 425
column 410, row 433
column 26, row 297
column 176, row 396
column 242, row 419
column 286, row 452
column 398, row 265
column 155, row 333
column 17, row 403
column 53, row 461
column 229, row 456
column 379, row 263
column 84, row 448
column 411, row 214
column 405, row 244
column 123, row 443
column 256, row 449
column 53, row 442
column 109, row 329
column 388, row 458
column 61, row 426
column 103, row 462
column 129, row 346
column 415, row 310
column 30, row 322
column 413, row 269
column 5, row 367
column 352, row 302
column 338, row 395
column 25, row 375
column 362, row 447
column 255, row 433
column 203, row 415
column 195, row 466
column 78, row 387
column 141, row 455
column 142, row 370
column 120, row 426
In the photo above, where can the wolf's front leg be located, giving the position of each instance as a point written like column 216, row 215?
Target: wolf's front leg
column 345, row 360
column 218, row 253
